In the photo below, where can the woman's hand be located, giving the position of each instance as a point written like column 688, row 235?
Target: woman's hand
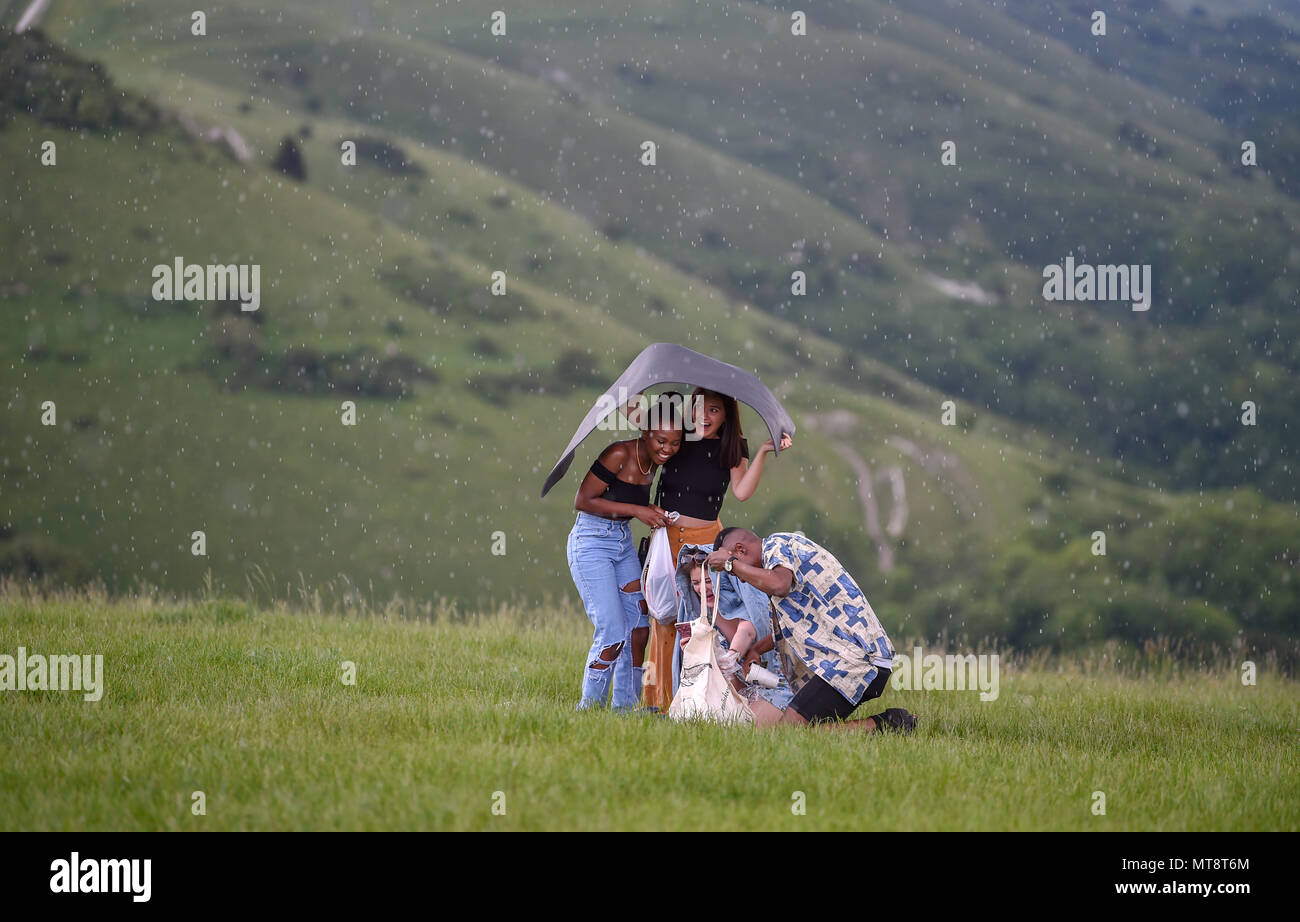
column 652, row 516
column 767, row 446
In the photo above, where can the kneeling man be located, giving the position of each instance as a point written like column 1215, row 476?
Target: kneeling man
column 831, row 646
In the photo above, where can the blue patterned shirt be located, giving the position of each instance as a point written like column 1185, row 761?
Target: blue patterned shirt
column 825, row 626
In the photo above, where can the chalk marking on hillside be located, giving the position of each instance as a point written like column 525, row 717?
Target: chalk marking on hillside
column 31, row 15
column 962, row 291
column 946, row 469
column 870, row 513
column 838, row 422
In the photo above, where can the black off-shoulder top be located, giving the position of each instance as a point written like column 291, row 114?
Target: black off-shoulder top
column 620, row 491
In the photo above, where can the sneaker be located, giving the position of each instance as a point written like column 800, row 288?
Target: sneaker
column 899, row 720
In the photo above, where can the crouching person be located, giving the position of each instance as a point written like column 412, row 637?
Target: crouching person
column 832, row 648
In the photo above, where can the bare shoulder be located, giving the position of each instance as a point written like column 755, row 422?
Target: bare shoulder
column 615, row 456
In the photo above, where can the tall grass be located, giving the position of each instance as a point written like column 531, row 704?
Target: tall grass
column 454, row 713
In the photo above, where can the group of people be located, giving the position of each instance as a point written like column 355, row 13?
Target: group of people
column 784, row 601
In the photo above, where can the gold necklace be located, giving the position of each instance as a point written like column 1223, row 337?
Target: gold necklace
column 637, row 449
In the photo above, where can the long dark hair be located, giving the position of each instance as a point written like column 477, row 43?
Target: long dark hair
column 733, row 438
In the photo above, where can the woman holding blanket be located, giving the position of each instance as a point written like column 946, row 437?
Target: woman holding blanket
column 604, row 562
column 693, row 483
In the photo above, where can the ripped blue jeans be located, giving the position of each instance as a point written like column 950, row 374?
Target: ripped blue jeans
column 602, row 560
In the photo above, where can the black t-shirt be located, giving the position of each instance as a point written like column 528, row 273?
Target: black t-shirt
column 693, row 483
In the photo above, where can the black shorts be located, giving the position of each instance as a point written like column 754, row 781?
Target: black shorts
column 818, row 700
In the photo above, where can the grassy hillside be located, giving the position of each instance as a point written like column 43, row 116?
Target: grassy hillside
column 823, row 153
column 176, row 417
column 1100, row 164
column 452, row 714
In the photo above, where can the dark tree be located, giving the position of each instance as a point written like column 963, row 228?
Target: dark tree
column 289, row 160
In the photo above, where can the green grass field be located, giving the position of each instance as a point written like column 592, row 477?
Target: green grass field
column 248, row 706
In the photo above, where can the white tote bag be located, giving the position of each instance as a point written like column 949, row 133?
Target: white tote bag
column 703, row 692
column 658, row 583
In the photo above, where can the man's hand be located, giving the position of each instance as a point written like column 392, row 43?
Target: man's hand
column 751, row 657
column 775, row 582
column 718, row 559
